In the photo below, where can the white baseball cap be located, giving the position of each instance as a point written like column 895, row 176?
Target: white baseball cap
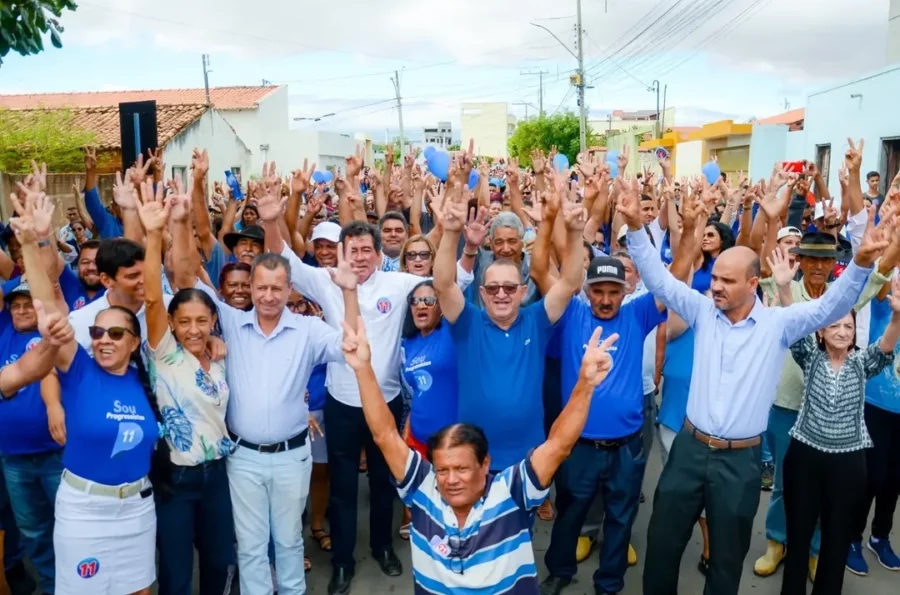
column 790, row 230
column 327, row 230
column 623, row 231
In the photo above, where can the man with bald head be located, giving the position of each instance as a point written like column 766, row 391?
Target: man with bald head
column 739, row 349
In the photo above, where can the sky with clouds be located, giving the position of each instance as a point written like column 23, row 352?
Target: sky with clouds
column 716, row 59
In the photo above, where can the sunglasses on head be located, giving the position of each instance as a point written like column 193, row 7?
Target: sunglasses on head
column 508, row 288
column 428, row 301
column 425, row 255
column 115, row 332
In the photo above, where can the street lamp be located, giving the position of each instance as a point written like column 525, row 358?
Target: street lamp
column 313, row 119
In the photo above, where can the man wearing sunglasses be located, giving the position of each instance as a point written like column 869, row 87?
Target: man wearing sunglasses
column 505, row 342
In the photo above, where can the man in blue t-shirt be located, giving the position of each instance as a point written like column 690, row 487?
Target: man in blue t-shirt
column 505, row 342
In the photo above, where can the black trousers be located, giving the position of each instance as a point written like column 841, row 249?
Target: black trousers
column 347, row 435
column 826, row 487
column 883, row 467
column 726, row 483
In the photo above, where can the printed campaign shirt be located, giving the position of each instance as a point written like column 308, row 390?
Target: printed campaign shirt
column 192, row 402
column 429, row 372
column 110, row 428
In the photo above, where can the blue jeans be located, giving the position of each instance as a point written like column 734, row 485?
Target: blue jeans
column 618, row 474
column 268, row 495
column 12, row 546
column 198, row 512
column 32, row 481
column 781, row 421
column 766, row 456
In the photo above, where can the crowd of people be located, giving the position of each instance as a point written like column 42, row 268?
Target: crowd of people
column 210, row 367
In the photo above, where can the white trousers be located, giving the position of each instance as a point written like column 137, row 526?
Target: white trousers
column 268, row 495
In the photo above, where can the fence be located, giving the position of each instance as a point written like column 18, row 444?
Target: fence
column 59, row 188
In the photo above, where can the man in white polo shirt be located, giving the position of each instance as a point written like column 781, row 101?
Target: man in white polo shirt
column 383, row 305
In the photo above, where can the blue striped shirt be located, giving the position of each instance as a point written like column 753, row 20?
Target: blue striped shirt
column 492, row 553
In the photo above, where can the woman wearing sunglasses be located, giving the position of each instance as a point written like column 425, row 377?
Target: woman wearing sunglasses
column 428, row 366
column 105, row 530
column 417, row 256
column 195, row 508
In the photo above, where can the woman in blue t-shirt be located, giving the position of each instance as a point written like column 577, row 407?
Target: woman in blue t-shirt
column 428, row 367
column 105, row 532
column 717, row 237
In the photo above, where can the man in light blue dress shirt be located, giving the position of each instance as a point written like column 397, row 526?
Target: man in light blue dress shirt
column 740, row 347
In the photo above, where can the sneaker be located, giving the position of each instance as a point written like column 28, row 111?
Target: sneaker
column 768, row 476
column 884, row 553
column 855, row 561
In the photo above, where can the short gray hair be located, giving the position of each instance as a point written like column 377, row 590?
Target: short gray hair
column 510, row 220
column 271, row 261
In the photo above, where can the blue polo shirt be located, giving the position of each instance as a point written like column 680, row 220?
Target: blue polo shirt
column 110, row 428
column 23, row 417
column 617, row 408
column 73, row 289
column 883, row 390
column 677, row 371
column 429, row 369
column 500, row 377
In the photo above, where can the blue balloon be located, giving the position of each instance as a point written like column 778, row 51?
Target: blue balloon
column 612, row 159
column 712, row 172
column 438, row 164
column 327, row 176
column 473, row 179
column 318, row 177
column 560, row 162
column 496, row 182
column 428, row 151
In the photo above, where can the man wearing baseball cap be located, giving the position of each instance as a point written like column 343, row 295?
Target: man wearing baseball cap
column 816, row 253
column 325, row 238
column 609, row 456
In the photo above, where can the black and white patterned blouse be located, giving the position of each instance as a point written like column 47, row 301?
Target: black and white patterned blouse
column 831, row 417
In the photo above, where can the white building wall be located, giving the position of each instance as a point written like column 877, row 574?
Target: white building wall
column 488, row 124
column 767, row 145
column 689, row 158
column 213, row 133
column 864, row 108
column 893, row 40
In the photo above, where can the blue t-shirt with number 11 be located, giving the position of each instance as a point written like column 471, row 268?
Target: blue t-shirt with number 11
column 110, row 427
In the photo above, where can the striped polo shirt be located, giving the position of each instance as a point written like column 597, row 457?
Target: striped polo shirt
column 492, row 553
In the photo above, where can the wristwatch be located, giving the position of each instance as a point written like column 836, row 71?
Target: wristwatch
column 43, row 243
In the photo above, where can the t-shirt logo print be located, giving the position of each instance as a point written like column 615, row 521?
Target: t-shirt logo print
column 130, row 434
column 383, row 305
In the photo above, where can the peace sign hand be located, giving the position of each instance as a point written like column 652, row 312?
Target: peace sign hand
column 152, row 209
column 596, row 363
column 357, row 352
column 342, row 275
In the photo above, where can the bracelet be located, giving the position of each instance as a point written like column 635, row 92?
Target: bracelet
column 470, row 255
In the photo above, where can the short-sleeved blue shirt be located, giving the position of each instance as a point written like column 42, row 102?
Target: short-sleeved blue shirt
column 618, row 403
column 429, row 368
column 500, row 375
column 110, row 427
column 677, row 371
column 216, row 262
column 74, row 291
column 883, row 390
column 316, row 387
column 23, row 417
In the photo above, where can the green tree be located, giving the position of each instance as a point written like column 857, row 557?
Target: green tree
column 49, row 136
column 24, row 22
column 542, row 133
column 453, row 148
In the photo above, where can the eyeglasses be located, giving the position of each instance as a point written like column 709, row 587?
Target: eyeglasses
column 294, row 306
column 425, row 255
column 427, row 301
column 115, row 332
column 508, row 288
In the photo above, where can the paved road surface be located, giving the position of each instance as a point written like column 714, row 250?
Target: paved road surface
column 369, row 579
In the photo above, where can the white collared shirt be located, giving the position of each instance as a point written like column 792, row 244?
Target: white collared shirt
column 83, row 318
column 382, row 303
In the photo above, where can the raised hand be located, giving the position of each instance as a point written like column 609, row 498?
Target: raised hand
column 152, row 209
column 342, row 275
column 853, row 156
column 538, row 161
column 199, row 163
column 54, row 327
column 179, row 203
column 354, row 163
column 124, row 194
column 693, row 210
column 873, row 241
column 39, row 176
column 476, row 227
column 300, row 178
column 894, row 295
column 575, row 216
column 138, row 172
column 596, row 362
column 155, row 160
column 42, row 215
column 271, row 204
column 622, row 159
column 357, row 352
column 23, row 227
column 780, row 264
column 90, row 159
column 629, row 202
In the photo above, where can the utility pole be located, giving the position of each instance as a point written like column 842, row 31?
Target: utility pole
column 665, row 90
column 540, row 74
column 396, row 80
column 582, row 118
column 656, row 87
column 206, row 72
column 526, row 104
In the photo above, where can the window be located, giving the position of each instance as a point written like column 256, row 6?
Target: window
column 180, row 171
column 823, row 161
column 236, row 170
